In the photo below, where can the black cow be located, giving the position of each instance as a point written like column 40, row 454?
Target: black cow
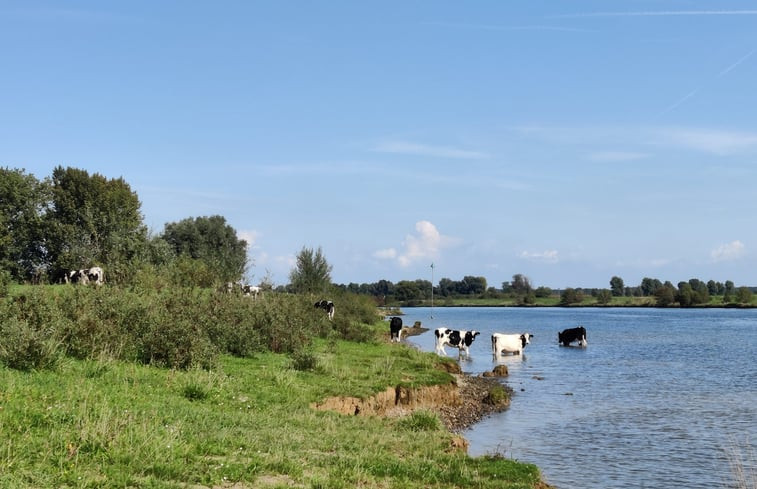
column 395, row 328
column 327, row 306
column 566, row 337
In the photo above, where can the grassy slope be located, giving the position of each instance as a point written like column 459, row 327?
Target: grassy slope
column 114, row 424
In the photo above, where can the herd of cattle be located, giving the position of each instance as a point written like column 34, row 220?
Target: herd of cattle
column 502, row 343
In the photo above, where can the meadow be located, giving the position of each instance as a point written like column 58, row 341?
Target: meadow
column 190, row 388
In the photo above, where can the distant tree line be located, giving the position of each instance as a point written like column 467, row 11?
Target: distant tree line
column 686, row 294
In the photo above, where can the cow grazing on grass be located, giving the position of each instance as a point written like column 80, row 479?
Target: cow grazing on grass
column 327, row 306
column 461, row 340
column 510, row 343
column 568, row 336
column 395, row 329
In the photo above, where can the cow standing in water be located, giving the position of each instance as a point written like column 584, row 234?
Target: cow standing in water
column 568, row 336
column 461, row 340
column 510, row 343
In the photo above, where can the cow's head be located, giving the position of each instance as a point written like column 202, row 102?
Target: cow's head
column 525, row 339
column 470, row 336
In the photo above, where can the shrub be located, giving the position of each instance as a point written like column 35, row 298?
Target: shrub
column 304, row 361
column 5, row 282
column 497, row 395
column 25, row 347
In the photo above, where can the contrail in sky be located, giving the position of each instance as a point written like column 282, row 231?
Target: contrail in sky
column 720, row 75
column 734, row 65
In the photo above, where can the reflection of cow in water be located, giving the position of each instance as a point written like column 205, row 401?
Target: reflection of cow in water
column 327, row 306
column 568, row 336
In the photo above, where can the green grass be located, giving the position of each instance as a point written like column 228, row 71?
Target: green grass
column 107, row 423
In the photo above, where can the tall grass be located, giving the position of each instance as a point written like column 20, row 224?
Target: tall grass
column 170, row 327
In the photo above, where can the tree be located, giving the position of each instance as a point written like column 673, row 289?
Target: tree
column 408, row 291
column 212, row 241
column 665, row 295
column 649, row 286
column 311, row 273
column 93, row 220
column 744, row 295
column 520, row 284
column 571, row 296
column 23, row 202
column 604, row 296
column 616, row 286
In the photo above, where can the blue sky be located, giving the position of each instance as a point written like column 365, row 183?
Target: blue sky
column 566, row 141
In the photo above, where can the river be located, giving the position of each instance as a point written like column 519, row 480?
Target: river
column 658, row 398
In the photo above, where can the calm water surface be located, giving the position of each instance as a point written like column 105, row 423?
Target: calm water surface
column 656, row 400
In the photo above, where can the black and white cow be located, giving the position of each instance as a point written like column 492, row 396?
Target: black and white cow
column 568, row 336
column 96, row 276
column 251, row 291
column 510, row 343
column 327, row 306
column 77, row 277
column 395, row 329
column 461, row 340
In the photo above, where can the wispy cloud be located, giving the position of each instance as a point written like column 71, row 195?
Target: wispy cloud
column 549, row 256
column 497, row 27
column 714, row 141
column 425, row 244
column 612, row 156
column 417, row 149
column 656, row 13
column 728, row 251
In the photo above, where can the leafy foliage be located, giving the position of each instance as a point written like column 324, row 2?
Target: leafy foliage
column 211, row 241
column 311, row 273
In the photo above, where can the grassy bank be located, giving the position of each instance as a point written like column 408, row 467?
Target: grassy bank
column 192, row 389
column 247, row 424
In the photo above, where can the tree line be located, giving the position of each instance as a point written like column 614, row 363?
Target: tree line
column 521, row 291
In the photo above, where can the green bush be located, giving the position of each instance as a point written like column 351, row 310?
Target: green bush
column 5, row 282
column 26, row 347
column 304, row 361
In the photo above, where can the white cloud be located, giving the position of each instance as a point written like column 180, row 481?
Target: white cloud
column 250, row 236
column 425, row 244
column 728, row 251
column 549, row 256
column 408, row 148
column 387, row 254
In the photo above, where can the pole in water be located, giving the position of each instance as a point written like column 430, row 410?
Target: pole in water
column 432, row 290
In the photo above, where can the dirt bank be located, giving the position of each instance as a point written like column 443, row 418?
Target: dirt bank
column 459, row 404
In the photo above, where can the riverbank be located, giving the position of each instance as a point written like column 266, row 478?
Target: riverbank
column 246, row 424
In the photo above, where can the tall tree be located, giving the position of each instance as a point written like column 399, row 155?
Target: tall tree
column 616, row 286
column 23, row 202
column 93, row 220
column 311, row 272
column 212, row 241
